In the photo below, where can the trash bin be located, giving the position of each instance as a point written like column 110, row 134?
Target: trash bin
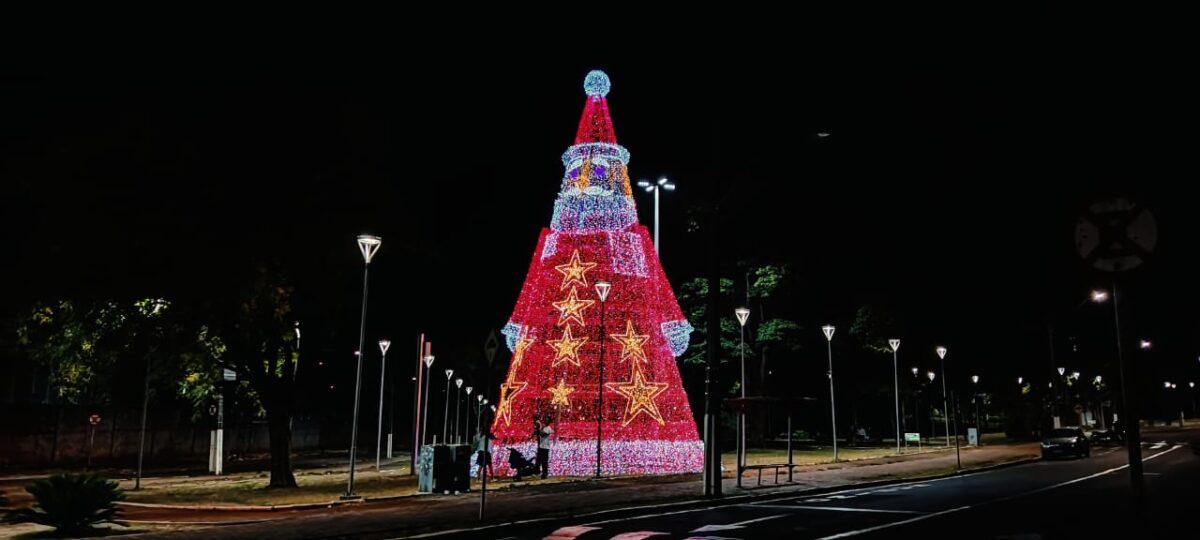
column 451, row 468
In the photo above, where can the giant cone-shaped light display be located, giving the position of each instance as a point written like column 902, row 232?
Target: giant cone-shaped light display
column 555, row 336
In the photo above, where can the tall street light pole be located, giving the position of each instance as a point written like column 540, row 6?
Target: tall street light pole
column 367, row 245
column 975, row 399
column 446, row 409
column 828, row 330
column 425, row 413
column 467, row 415
column 383, row 348
column 895, row 344
column 941, row 352
column 457, row 406
column 655, row 187
column 602, row 290
column 742, row 314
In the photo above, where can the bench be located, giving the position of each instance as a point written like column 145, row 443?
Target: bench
column 773, row 466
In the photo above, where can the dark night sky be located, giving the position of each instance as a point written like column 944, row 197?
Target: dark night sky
column 947, row 189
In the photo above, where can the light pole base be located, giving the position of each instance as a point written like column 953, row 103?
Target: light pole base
column 350, row 498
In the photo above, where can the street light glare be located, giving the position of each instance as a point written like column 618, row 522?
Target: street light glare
column 384, row 344
column 1099, row 296
column 742, row 314
column 1020, row 380
column 1145, row 344
column 669, row 186
column 1061, row 370
column 643, row 183
column 931, row 375
column 428, row 360
column 975, row 379
column 662, row 181
column 915, row 371
column 941, row 351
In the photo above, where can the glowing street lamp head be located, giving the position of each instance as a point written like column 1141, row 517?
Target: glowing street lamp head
column 1061, row 370
column 669, row 186
column 1099, row 379
column 1099, row 296
column 368, row 245
column 383, row 346
column 1167, row 384
column 1191, row 385
column 479, row 398
column 975, row 379
column 428, row 360
column 1172, row 386
column 493, row 408
column 1075, row 375
column 742, row 315
column 468, row 389
column 645, row 184
column 894, row 344
column 915, row 371
column 297, row 329
column 1020, row 380
column 1145, row 344
column 828, row 330
column 458, row 382
column 449, row 373
column 941, row 351
column 602, row 288
column 931, row 375
column 485, row 401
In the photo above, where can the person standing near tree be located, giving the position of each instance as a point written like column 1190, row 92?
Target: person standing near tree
column 544, row 431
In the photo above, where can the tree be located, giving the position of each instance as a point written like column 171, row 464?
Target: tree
column 78, row 344
column 256, row 338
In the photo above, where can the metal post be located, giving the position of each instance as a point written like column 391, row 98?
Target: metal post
column 600, row 388
column 656, row 190
column 1133, row 436
column 137, row 483
column 362, row 328
column 219, row 459
column 945, row 404
column 741, row 449
column 446, row 412
column 832, row 410
column 790, row 462
column 417, row 425
column 379, row 432
column 457, row 410
column 896, row 380
column 957, row 455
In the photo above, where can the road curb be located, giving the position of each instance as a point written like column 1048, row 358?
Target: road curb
column 239, row 508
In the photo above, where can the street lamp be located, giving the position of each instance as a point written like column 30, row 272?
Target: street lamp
column 425, row 413
column 457, row 399
column 1061, row 371
column 602, row 290
column 1020, row 380
column 915, row 371
column 742, row 314
column 446, row 410
column 655, row 187
column 1075, row 375
column 368, row 245
column 941, row 352
column 383, row 349
column 1145, row 344
column 467, row 420
column 895, row 344
column 1099, row 296
column 975, row 398
column 828, row 331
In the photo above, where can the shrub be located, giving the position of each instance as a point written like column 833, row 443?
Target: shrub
column 70, row 503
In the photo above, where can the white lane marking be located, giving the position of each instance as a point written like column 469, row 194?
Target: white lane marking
column 1002, row 499
column 1158, row 445
column 637, row 535
column 569, row 533
column 738, row 525
column 836, row 508
column 710, row 538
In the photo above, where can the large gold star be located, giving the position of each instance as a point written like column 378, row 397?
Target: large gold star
column 561, row 393
column 572, row 308
column 567, row 348
column 631, row 343
column 641, row 396
column 508, row 391
column 574, row 271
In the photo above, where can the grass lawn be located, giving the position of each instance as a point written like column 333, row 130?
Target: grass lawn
column 757, row 456
column 252, row 489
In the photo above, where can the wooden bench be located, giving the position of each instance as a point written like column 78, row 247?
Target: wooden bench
column 775, row 467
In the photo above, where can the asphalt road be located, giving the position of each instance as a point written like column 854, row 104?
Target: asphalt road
column 1046, row 499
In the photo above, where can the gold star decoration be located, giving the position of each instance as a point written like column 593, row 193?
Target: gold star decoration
column 561, row 393
column 631, row 343
column 523, row 343
column 574, row 271
column 641, row 396
column 508, row 391
column 572, row 308
column 567, row 348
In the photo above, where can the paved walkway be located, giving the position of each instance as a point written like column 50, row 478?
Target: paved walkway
column 390, row 518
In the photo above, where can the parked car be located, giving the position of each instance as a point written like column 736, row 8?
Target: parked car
column 1066, row 442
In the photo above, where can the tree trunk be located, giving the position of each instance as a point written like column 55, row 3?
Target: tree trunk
column 279, row 424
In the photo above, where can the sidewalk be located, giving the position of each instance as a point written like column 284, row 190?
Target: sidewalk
column 547, row 499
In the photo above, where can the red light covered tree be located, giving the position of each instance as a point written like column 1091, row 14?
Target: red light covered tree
column 555, row 335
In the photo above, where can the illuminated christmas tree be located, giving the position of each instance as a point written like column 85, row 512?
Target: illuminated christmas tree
column 645, row 423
